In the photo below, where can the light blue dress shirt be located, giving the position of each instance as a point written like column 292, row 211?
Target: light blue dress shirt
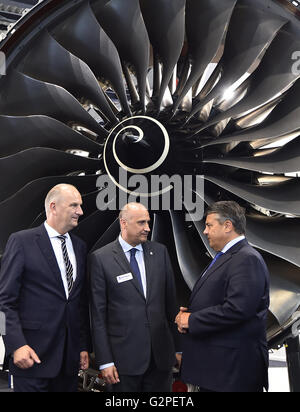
column 139, row 258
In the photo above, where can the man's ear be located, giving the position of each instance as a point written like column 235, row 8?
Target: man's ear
column 123, row 223
column 52, row 207
column 228, row 226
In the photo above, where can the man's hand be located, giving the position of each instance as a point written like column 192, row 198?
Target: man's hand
column 178, row 360
column 182, row 320
column 25, row 357
column 84, row 360
column 110, row 375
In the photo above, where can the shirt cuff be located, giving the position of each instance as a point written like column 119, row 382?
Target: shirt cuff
column 107, row 365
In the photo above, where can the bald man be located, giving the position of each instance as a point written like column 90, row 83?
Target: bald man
column 133, row 304
column 43, row 295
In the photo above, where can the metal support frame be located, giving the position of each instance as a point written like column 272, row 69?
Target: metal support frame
column 293, row 362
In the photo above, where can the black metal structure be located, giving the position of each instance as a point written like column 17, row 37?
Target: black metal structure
column 293, row 360
column 175, row 87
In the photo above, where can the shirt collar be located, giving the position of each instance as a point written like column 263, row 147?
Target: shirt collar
column 52, row 233
column 127, row 247
column 232, row 243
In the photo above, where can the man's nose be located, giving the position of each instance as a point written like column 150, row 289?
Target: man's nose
column 79, row 211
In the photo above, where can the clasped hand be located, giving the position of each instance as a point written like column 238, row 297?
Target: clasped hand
column 182, row 320
column 110, row 375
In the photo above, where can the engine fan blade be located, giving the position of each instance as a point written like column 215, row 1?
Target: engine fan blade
column 250, row 33
column 39, row 162
column 118, row 18
column 50, row 62
column 82, row 35
column 272, row 78
column 23, row 96
column 285, row 159
column 280, row 197
column 206, row 29
column 31, row 198
column 165, row 24
column 20, row 133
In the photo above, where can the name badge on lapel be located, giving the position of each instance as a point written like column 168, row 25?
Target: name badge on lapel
column 124, row 278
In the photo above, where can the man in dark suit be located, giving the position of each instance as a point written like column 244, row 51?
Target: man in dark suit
column 224, row 327
column 133, row 308
column 42, row 292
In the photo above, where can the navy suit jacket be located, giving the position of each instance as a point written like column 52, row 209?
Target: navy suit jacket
column 37, row 311
column 126, row 325
column 225, row 349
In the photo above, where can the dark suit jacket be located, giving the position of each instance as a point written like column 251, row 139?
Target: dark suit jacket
column 225, row 348
column 125, row 324
column 37, row 311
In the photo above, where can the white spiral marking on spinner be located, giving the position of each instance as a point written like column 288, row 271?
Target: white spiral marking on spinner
column 149, row 169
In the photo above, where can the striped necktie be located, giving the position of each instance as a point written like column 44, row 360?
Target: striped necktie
column 68, row 264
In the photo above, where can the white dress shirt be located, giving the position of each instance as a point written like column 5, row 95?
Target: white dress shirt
column 232, row 243
column 56, row 244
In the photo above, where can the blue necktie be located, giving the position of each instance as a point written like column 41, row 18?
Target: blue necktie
column 213, row 262
column 219, row 254
column 135, row 267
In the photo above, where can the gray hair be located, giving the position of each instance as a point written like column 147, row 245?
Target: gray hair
column 229, row 210
column 54, row 194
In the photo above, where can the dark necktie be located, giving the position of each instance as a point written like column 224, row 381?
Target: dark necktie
column 68, row 264
column 219, row 254
column 135, row 267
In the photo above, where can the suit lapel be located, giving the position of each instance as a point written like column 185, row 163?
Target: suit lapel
column 208, row 272
column 122, row 261
column 223, row 259
column 46, row 248
column 78, row 257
